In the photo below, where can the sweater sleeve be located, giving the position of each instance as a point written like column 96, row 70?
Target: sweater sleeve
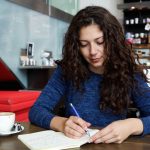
column 141, row 96
column 41, row 113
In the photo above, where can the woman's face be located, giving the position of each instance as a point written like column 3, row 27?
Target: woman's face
column 92, row 47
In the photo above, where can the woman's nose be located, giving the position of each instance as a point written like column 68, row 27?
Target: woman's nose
column 93, row 49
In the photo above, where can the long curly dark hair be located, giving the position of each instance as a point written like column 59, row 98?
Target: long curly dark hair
column 120, row 66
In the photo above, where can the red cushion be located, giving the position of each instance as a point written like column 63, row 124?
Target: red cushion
column 16, row 107
column 22, row 115
column 18, row 102
column 13, row 97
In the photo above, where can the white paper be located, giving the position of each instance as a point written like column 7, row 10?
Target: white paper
column 51, row 140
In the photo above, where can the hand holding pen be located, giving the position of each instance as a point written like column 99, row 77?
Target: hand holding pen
column 76, row 113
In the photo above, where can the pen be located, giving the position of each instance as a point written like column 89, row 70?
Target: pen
column 76, row 113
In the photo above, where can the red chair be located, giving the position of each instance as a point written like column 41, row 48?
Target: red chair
column 18, row 102
column 12, row 99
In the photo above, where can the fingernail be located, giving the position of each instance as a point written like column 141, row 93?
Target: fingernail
column 98, row 141
column 85, row 128
column 93, row 139
column 90, row 140
column 95, row 142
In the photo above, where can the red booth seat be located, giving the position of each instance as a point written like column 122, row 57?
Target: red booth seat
column 12, row 100
column 18, row 102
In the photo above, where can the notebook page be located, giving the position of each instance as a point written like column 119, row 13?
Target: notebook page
column 51, row 140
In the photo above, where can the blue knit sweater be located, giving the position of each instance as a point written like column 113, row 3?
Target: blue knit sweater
column 87, row 103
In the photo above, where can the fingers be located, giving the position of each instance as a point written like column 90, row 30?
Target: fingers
column 88, row 124
column 108, row 139
column 113, row 140
column 101, row 139
column 102, row 135
column 116, row 132
column 75, row 127
column 72, row 133
column 83, row 124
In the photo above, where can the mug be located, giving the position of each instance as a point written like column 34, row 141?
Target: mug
column 131, row 21
column 136, row 20
column 141, row 35
column 127, row 21
column 7, row 120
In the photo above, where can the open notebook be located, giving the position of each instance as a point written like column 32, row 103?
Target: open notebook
column 51, row 140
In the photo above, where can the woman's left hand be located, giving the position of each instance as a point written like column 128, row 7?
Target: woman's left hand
column 118, row 131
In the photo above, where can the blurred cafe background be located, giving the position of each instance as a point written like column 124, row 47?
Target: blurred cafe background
column 32, row 31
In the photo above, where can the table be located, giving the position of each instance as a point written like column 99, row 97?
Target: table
column 136, row 143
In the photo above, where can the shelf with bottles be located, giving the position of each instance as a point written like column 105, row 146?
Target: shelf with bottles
column 143, row 51
column 137, row 28
column 137, row 25
column 138, row 38
column 136, row 16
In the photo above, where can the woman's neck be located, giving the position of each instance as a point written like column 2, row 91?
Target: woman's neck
column 98, row 70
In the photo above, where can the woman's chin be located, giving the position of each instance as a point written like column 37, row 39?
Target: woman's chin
column 97, row 65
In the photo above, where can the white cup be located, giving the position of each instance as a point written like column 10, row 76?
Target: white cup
column 141, row 35
column 127, row 22
column 136, row 20
column 7, row 120
column 131, row 21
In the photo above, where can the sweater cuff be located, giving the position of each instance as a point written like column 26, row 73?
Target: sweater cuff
column 46, row 121
column 146, row 126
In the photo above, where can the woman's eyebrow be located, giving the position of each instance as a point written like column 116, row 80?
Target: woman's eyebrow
column 99, row 37
column 94, row 39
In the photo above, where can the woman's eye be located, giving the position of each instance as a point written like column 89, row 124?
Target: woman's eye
column 83, row 45
column 100, row 43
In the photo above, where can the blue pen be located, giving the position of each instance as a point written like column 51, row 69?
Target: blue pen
column 76, row 113
column 73, row 108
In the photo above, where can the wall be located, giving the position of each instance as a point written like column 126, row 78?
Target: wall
column 111, row 5
column 69, row 6
column 19, row 25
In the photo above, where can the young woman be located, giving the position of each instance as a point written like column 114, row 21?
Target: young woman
column 99, row 75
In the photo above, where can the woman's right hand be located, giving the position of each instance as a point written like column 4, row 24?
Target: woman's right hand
column 75, row 127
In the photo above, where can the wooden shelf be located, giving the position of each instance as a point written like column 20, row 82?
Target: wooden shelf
column 135, row 4
column 147, row 67
column 141, row 46
column 143, row 57
column 144, row 66
column 37, row 67
column 139, row 24
column 37, row 76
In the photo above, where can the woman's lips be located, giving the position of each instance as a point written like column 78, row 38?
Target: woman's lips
column 95, row 60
